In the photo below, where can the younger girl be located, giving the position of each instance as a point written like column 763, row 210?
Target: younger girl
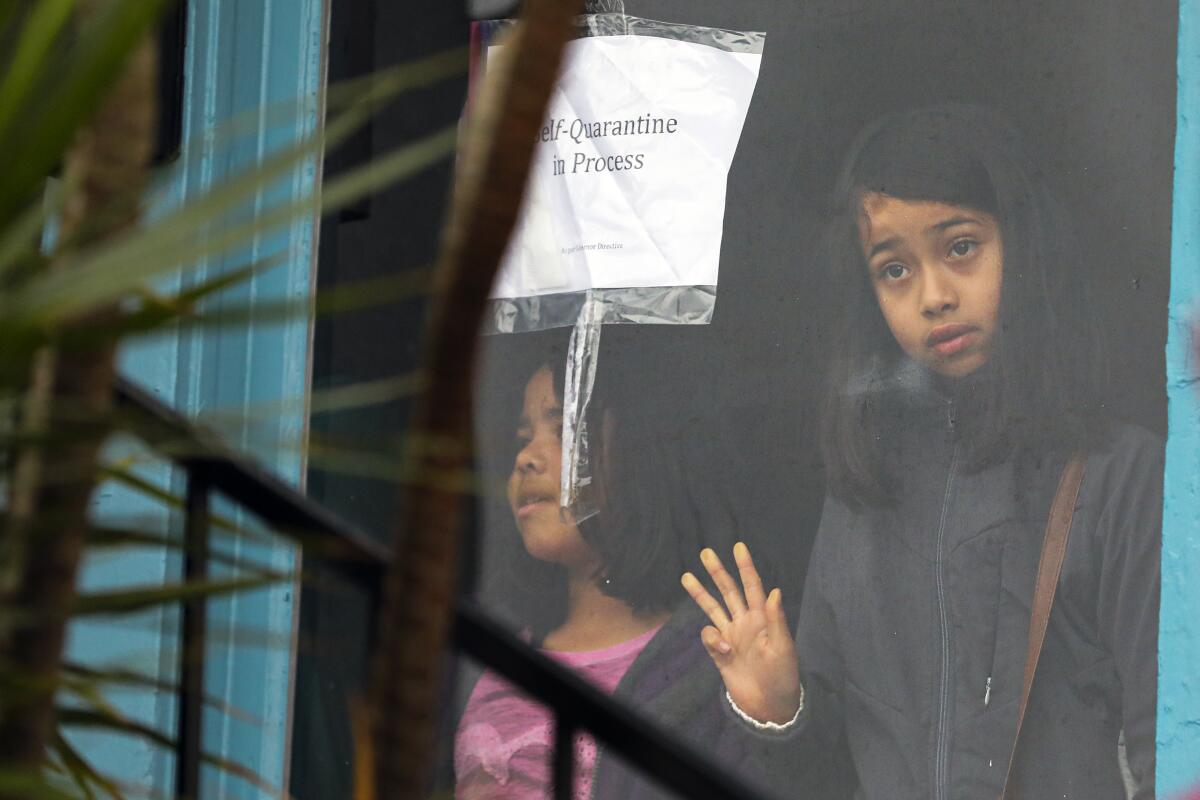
column 963, row 380
column 598, row 595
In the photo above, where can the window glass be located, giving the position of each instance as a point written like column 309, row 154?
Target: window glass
column 930, row 297
column 941, row 276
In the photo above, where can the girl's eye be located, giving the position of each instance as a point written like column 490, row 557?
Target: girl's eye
column 963, row 248
column 893, row 271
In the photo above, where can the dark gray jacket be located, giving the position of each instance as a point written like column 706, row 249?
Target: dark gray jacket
column 911, row 613
column 674, row 684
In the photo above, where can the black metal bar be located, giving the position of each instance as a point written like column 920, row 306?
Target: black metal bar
column 213, row 466
column 202, row 452
column 189, row 739
column 654, row 753
column 563, row 764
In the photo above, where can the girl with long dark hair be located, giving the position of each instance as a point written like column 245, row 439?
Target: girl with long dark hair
column 964, row 377
column 599, row 595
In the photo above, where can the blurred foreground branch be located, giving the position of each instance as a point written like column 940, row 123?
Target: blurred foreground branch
column 420, row 591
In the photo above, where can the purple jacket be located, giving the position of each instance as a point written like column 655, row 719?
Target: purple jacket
column 674, row 683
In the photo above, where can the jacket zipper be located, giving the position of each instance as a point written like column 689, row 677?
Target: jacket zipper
column 943, row 739
column 991, row 662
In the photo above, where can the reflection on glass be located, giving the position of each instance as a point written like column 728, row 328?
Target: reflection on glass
column 601, row 596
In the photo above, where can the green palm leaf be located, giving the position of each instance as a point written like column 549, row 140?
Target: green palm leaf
column 115, row 269
column 41, row 127
column 82, row 772
column 132, row 600
column 29, row 61
column 116, row 723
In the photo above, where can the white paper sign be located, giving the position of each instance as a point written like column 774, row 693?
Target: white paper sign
column 628, row 181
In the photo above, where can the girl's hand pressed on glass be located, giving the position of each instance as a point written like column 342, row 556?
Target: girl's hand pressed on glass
column 749, row 639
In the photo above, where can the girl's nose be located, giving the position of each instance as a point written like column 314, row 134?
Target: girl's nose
column 937, row 293
column 530, row 458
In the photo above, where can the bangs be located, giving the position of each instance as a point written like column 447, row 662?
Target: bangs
column 928, row 154
column 1040, row 393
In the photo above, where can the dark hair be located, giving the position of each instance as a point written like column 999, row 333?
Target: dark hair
column 1037, row 394
column 661, row 502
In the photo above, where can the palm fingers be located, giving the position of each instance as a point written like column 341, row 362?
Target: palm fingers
column 751, row 582
column 735, row 602
column 708, row 604
column 713, row 642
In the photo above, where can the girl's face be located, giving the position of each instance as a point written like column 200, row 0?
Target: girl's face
column 936, row 269
column 549, row 533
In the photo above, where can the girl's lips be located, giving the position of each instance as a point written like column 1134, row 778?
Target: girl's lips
column 950, row 339
column 530, row 506
column 949, row 347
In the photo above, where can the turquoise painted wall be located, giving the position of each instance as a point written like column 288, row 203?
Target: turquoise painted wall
column 242, row 56
column 1179, row 641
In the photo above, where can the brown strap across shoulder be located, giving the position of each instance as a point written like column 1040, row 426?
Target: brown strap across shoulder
column 1054, row 549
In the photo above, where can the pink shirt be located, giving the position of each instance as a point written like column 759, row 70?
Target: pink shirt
column 505, row 739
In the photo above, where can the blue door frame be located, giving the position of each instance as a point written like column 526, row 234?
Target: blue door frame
column 1179, row 641
column 243, row 58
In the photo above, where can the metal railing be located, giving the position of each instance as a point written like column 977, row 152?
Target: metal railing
column 211, row 465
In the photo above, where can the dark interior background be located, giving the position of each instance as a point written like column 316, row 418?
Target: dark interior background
column 1091, row 82
column 393, row 231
